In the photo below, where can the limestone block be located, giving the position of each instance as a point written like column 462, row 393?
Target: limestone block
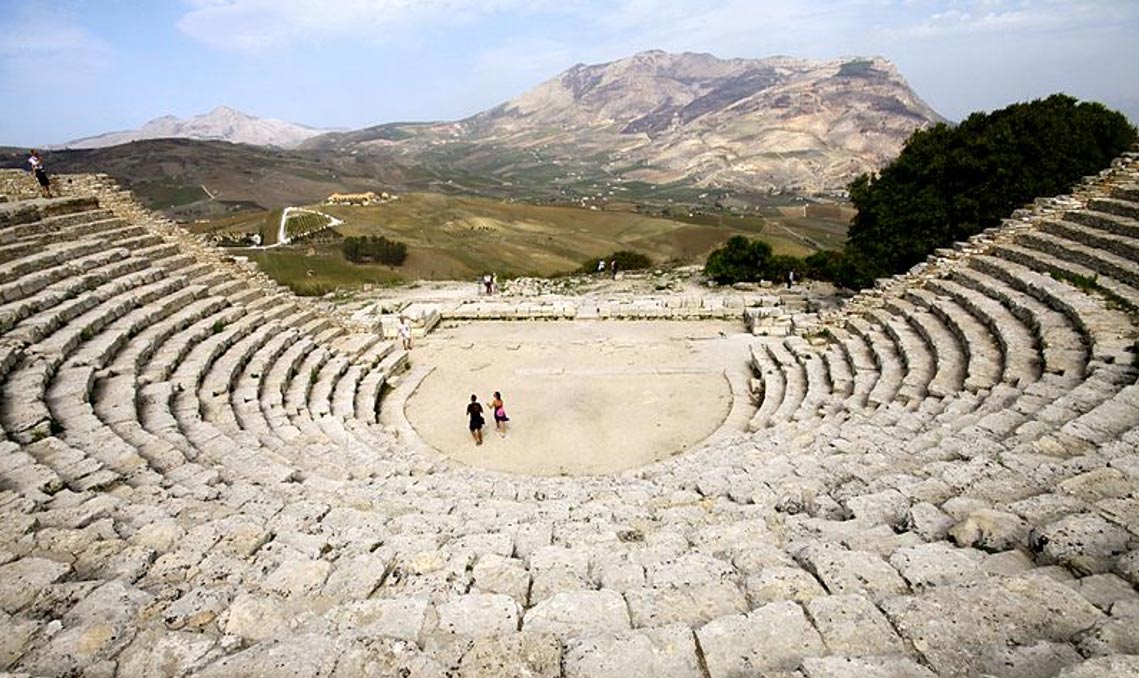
column 355, row 577
column 782, row 582
column 948, row 625
column 1026, row 661
column 851, row 625
column 1110, row 636
column 843, row 571
column 1098, row 484
column 14, row 636
column 529, row 537
column 255, row 617
column 754, row 557
column 1123, row 512
column 689, row 570
column 692, row 605
column 536, row 655
column 889, row 507
column 496, row 574
column 1085, row 542
column 94, row 629
column 1007, row 563
column 303, row 656
column 579, row 613
column 936, row 564
column 864, row 667
column 401, row 618
column 775, row 637
column 929, row 522
column 667, row 651
column 155, row 653
column 21, row 580
column 298, row 577
column 619, row 574
column 1127, row 566
column 1104, row 590
column 479, row 614
column 1047, row 507
column 990, row 530
column 1116, row 666
column 197, row 609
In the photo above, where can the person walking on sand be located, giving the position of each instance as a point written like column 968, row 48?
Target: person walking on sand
column 500, row 417
column 36, row 167
column 405, row 332
column 474, row 411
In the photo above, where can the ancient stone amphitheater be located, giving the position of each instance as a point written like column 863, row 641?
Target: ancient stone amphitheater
column 940, row 479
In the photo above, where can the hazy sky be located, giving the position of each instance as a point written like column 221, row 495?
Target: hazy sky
column 80, row 67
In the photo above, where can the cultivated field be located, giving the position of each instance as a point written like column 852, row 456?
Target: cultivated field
column 451, row 237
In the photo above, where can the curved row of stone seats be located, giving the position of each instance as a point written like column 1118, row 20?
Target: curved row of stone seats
column 85, row 328
column 886, row 539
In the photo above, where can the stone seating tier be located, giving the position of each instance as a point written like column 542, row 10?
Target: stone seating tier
column 198, row 475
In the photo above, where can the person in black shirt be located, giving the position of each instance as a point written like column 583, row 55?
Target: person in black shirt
column 474, row 411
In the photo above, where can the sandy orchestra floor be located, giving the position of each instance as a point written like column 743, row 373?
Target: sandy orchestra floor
column 584, row 397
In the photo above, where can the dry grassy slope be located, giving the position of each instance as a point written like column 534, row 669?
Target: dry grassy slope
column 454, row 237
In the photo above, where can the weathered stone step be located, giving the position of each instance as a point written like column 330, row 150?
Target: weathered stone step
column 1019, row 347
column 1063, row 346
column 1089, row 314
column 953, row 361
column 886, row 357
column 1119, row 245
column 25, row 211
column 917, row 359
column 1105, row 221
column 1124, row 208
column 864, row 372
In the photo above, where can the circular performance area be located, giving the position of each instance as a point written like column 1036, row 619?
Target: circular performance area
column 583, row 397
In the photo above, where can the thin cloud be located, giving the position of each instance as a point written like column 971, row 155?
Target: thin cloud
column 50, row 38
column 255, row 25
column 1001, row 16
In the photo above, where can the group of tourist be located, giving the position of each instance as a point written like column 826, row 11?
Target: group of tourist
column 475, row 413
column 612, row 268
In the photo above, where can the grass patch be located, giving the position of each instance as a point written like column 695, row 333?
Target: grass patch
column 323, row 272
column 1093, row 287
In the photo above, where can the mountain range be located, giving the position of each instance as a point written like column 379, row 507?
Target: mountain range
column 221, row 124
column 660, row 118
column 650, row 128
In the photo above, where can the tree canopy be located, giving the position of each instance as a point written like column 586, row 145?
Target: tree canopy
column 951, row 182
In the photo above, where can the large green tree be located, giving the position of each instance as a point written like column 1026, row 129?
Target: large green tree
column 951, row 182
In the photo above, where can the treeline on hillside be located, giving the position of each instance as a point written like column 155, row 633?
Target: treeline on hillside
column 374, row 248
column 948, row 183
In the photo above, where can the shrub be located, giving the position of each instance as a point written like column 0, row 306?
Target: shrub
column 374, row 248
column 626, row 261
column 739, row 260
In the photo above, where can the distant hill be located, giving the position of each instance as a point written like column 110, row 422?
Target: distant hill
column 660, row 118
column 654, row 128
column 221, row 124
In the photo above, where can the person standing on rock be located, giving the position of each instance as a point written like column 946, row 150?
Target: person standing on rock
column 36, row 167
column 405, row 332
column 790, row 278
column 474, row 411
column 500, row 417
